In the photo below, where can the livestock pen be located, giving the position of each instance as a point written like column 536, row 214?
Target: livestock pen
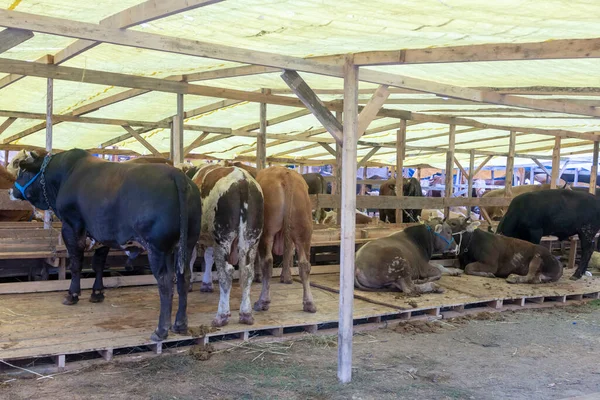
column 307, row 84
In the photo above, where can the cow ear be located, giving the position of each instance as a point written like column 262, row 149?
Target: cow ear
column 473, row 225
column 439, row 228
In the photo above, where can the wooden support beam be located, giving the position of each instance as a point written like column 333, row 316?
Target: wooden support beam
column 150, row 41
column 555, row 163
column 49, row 112
column 400, row 154
column 483, row 163
column 471, row 174
column 177, row 132
column 368, row 156
column 510, row 164
column 313, row 103
column 449, row 167
column 6, row 124
column 195, row 144
column 13, row 37
column 261, row 138
column 562, row 170
column 370, row 111
column 460, row 167
column 594, row 169
column 328, row 148
column 348, row 233
column 296, row 149
column 143, row 141
column 539, row 164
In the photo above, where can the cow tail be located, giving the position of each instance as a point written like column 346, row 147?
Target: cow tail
column 182, row 191
column 287, row 218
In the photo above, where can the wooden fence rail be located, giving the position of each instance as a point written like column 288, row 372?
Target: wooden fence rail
column 390, row 202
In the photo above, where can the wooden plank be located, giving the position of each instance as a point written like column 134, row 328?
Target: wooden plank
column 370, row 111
column 460, row 167
column 553, row 49
column 368, row 156
column 177, row 132
column 49, row 112
column 475, row 95
column 449, row 171
column 510, row 164
column 471, row 174
column 13, row 37
column 143, row 141
column 150, row 41
column 400, row 154
column 594, row 169
column 390, row 202
column 348, row 211
column 6, row 124
column 261, row 138
column 328, row 148
column 195, row 144
column 313, row 103
column 555, row 163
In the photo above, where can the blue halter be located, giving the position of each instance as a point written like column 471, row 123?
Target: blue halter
column 448, row 241
column 23, row 188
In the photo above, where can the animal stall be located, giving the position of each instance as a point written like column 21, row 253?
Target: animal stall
column 134, row 92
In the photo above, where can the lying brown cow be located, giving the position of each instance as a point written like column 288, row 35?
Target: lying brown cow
column 486, row 254
column 287, row 227
column 401, row 260
column 232, row 221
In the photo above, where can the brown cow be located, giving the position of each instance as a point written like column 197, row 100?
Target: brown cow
column 498, row 212
column 330, row 217
column 287, row 226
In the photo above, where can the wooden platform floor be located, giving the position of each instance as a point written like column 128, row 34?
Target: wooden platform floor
column 37, row 324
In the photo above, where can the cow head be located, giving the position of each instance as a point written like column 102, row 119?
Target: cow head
column 462, row 224
column 442, row 235
column 28, row 168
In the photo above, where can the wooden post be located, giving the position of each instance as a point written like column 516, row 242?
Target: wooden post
column 338, row 169
column 49, row 111
column 177, row 132
column 449, row 167
column 555, row 163
column 400, row 151
column 6, row 153
column 510, row 164
column 471, row 173
column 363, row 187
column 261, row 138
column 347, row 245
column 594, row 170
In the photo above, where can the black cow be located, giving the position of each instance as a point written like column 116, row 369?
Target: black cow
column 486, row 254
column 558, row 212
column 116, row 204
column 410, row 187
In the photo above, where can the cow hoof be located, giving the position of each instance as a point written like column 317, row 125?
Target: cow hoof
column 310, row 307
column 70, row 300
column 438, row 289
column 97, row 297
column 262, row 305
column 575, row 277
column 206, row 287
column 180, row 328
column 190, row 288
column 287, row 281
column 246, row 318
column 159, row 335
column 221, row 320
column 513, row 278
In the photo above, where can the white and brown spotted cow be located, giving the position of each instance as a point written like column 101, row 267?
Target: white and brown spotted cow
column 287, row 227
column 232, row 222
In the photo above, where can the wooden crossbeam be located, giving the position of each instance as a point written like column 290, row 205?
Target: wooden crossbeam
column 460, row 167
column 13, row 37
column 6, row 124
column 328, row 148
column 313, row 103
column 296, row 150
column 539, row 164
column 142, row 140
column 195, row 144
column 370, row 111
column 368, row 156
column 483, row 163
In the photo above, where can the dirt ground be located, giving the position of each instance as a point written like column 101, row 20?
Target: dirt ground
column 532, row 354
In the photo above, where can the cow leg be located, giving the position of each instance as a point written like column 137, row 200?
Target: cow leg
column 225, row 272
column 98, row 264
column 193, row 258
column 161, row 265
column 246, row 266
column 288, row 262
column 265, row 259
column 447, row 271
column 408, row 287
column 587, row 248
column 480, row 269
column 207, row 285
column 533, row 274
column 183, row 287
column 75, row 243
column 304, row 267
column 427, row 273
